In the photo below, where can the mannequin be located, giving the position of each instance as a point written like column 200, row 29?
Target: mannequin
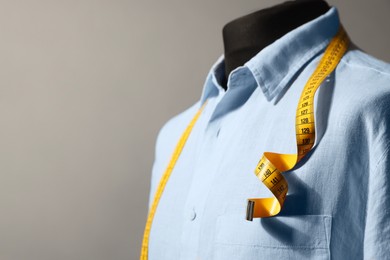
column 244, row 37
column 341, row 186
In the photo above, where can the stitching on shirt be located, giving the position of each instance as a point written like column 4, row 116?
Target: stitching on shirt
column 264, row 87
column 261, row 83
column 365, row 67
column 326, row 232
column 267, row 246
column 383, row 155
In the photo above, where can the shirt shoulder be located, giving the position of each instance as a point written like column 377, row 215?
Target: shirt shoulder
column 358, row 59
column 364, row 95
column 366, row 70
column 364, row 79
column 171, row 131
column 167, row 138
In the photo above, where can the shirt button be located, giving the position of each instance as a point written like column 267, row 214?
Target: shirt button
column 192, row 215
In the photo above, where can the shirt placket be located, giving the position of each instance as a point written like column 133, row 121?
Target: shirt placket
column 206, row 165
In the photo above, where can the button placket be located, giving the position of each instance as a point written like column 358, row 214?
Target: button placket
column 195, row 200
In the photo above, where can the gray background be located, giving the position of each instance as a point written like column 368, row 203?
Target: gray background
column 84, row 88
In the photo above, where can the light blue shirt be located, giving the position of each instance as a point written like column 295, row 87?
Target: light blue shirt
column 338, row 205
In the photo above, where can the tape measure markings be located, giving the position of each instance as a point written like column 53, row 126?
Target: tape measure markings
column 271, row 165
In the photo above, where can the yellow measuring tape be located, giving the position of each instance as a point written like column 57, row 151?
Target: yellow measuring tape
column 270, row 165
column 163, row 182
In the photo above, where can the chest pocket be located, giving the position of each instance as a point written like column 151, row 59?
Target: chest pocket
column 282, row 237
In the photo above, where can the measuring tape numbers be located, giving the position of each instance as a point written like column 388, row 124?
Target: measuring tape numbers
column 271, row 165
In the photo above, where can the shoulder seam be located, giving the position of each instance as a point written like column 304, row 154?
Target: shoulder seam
column 366, row 67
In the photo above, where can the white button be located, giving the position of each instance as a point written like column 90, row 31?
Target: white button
column 192, row 215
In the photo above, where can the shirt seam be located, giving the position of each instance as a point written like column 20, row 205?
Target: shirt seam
column 382, row 156
column 269, row 246
column 365, row 67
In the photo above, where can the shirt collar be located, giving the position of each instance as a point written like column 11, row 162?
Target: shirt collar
column 275, row 65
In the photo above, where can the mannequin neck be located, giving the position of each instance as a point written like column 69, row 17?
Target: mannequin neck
column 244, row 37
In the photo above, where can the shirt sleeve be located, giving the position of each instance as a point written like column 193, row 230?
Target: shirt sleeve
column 377, row 224
column 377, row 229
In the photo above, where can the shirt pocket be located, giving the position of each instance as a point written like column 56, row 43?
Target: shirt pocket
column 282, row 237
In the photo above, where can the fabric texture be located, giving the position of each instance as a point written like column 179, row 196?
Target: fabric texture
column 338, row 204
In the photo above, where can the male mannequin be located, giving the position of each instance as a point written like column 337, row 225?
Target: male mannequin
column 340, row 188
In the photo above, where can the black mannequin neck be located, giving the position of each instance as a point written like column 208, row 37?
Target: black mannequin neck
column 244, row 37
